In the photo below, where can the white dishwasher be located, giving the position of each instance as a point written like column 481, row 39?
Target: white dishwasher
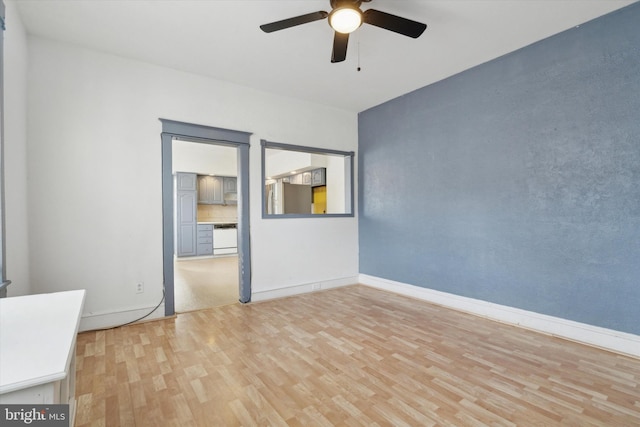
column 225, row 239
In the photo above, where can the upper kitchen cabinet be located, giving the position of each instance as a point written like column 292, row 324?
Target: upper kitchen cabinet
column 318, row 177
column 186, row 181
column 230, row 190
column 306, row 178
column 210, row 190
column 230, row 184
column 303, row 178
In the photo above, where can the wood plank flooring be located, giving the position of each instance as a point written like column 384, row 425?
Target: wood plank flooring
column 352, row 356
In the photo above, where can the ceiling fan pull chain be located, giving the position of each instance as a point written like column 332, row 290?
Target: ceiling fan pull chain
column 358, row 35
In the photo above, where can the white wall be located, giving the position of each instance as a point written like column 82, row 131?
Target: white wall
column 204, row 159
column 15, row 153
column 337, row 184
column 94, row 161
column 280, row 162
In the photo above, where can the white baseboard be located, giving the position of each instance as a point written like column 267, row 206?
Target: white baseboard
column 93, row 321
column 303, row 289
column 608, row 339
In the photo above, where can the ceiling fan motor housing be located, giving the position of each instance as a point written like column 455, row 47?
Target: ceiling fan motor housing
column 346, row 3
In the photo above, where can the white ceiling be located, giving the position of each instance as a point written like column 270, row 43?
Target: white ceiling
column 221, row 39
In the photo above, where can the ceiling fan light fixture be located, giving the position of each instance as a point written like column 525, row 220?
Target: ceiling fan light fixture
column 346, row 19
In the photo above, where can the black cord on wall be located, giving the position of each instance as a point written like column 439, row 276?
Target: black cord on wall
column 136, row 320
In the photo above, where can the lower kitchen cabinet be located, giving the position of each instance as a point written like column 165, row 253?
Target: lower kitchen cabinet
column 205, row 239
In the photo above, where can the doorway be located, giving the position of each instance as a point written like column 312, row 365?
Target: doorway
column 192, row 133
column 205, row 267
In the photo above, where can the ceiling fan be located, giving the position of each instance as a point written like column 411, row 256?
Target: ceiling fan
column 346, row 17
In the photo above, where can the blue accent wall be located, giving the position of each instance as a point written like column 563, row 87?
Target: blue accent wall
column 517, row 181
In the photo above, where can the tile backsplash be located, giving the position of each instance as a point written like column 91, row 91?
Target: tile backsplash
column 217, row 213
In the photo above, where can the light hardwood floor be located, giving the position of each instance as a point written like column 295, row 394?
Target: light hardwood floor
column 204, row 283
column 352, row 356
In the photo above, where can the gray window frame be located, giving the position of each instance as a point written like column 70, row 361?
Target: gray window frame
column 304, row 149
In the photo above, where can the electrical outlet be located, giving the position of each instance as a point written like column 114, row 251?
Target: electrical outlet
column 139, row 288
column 316, row 286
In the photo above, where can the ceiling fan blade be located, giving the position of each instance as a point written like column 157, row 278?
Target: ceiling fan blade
column 292, row 22
column 394, row 23
column 340, row 42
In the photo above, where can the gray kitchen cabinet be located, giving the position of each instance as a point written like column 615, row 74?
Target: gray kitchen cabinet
column 230, row 190
column 210, row 190
column 186, row 213
column 186, row 181
column 205, row 239
column 306, row 178
column 230, row 184
column 318, row 177
column 303, row 178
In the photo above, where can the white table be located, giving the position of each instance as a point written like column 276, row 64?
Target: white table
column 37, row 348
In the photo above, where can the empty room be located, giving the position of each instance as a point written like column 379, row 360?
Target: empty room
column 409, row 213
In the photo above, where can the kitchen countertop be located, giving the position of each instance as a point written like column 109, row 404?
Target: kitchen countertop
column 235, row 221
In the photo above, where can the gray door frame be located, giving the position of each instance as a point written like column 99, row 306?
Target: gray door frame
column 171, row 130
column 4, row 283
